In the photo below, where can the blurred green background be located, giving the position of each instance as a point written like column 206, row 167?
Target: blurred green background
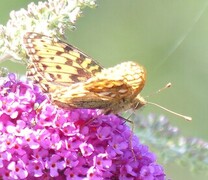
column 169, row 38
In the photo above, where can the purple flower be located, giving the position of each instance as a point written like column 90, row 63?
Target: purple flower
column 40, row 140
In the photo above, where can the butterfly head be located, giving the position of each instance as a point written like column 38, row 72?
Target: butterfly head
column 138, row 102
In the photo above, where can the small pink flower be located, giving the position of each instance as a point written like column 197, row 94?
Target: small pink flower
column 54, row 164
column 86, row 149
column 17, row 170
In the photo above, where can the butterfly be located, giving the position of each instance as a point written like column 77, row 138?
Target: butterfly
column 75, row 80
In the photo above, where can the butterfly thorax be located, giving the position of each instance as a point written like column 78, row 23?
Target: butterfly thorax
column 138, row 102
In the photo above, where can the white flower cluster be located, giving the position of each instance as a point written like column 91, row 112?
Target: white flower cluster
column 49, row 18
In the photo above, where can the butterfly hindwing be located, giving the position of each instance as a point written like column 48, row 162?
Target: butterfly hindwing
column 94, row 94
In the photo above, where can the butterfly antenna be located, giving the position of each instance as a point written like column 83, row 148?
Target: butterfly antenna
column 158, row 91
column 187, row 118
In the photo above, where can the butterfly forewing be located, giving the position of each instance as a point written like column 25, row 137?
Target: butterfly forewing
column 56, row 62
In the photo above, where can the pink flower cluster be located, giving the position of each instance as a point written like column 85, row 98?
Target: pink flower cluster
column 40, row 141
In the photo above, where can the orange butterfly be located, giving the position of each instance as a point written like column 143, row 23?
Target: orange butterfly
column 74, row 80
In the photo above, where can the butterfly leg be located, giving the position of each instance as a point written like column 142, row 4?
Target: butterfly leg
column 132, row 131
